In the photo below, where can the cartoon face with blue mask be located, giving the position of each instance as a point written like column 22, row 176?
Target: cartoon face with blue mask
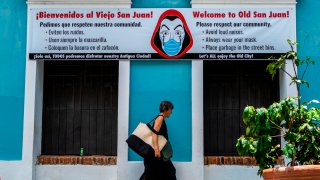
column 171, row 34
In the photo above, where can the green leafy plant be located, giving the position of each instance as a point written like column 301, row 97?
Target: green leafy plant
column 297, row 123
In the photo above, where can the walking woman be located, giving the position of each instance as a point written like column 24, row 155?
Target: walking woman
column 157, row 168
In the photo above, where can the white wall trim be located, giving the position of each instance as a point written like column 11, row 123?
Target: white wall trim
column 231, row 172
column 243, row 3
column 37, row 134
column 30, row 110
column 285, row 88
column 197, row 119
column 123, row 119
column 76, row 172
column 29, row 119
column 128, row 170
column 236, row 2
column 33, row 87
column 80, row 2
column 285, row 91
column 32, row 130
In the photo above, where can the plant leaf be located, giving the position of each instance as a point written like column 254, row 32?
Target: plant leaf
column 289, row 151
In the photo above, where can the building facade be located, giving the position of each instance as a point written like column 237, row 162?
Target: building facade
column 53, row 111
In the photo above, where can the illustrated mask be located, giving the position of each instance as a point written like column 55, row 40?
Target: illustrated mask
column 171, row 34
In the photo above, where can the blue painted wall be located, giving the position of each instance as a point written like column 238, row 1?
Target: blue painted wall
column 154, row 81
column 308, row 36
column 13, row 22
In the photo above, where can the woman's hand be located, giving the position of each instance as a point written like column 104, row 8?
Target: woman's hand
column 157, row 153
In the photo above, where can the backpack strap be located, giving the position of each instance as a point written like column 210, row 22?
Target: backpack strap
column 151, row 128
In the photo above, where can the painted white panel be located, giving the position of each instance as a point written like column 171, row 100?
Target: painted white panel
column 123, row 118
column 29, row 119
column 115, row 2
column 22, row 170
column 38, row 111
column 9, row 170
column 76, row 172
column 243, row 2
column 243, row 172
column 215, row 172
column 197, row 120
column 25, row 169
column 184, row 170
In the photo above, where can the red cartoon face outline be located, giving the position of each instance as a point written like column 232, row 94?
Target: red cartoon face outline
column 171, row 37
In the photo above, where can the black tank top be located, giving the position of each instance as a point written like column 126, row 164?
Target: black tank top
column 163, row 130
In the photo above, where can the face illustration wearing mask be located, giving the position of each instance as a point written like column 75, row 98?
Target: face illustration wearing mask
column 171, row 38
column 171, row 34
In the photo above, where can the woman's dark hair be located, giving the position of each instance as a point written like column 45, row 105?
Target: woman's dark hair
column 165, row 106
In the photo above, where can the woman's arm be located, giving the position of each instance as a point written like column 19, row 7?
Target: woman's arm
column 157, row 126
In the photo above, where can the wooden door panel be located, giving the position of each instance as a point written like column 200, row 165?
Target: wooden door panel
column 77, row 96
column 228, row 88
